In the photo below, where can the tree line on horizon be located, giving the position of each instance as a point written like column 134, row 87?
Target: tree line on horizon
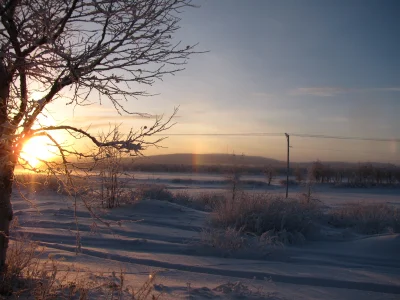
column 363, row 173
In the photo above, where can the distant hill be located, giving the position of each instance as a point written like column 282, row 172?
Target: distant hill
column 208, row 159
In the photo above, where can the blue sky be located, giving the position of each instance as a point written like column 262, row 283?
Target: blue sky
column 316, row 67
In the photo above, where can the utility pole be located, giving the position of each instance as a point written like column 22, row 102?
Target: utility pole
column 287, row 170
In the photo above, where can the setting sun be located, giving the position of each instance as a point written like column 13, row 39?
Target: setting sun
column 40, row 148
column 35, row 150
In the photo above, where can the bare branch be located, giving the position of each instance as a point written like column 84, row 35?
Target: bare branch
column 134, row 142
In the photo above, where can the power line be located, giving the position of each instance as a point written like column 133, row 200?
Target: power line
column 321, row 136
column 345, row 150
column 269, row 134
column 364, row 153
column 223, row 134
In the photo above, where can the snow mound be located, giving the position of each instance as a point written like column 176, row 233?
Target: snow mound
column 377, row 246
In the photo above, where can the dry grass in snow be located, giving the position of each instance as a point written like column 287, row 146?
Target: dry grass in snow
column 367, row 218
column 205, row 201
column 30, row 276
column 269, row 215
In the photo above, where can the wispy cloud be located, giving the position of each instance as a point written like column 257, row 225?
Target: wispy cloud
column 390, row 89
column 332, row 91
column 111, row 118
column 334, row 119
column 114, row 119
column 263, row 95
column 319, row 91
column 94, row 126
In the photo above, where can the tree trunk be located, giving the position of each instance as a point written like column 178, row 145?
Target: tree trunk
column 6, row 167
column 6, row 213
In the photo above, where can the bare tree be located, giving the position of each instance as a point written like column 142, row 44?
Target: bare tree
column 317, row 171
column 235, row 174
column 269, row 172
column 113, row 178
column 110, row 48
column 299, row 174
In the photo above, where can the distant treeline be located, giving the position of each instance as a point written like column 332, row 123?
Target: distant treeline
column 357, row 174
column 360, row 174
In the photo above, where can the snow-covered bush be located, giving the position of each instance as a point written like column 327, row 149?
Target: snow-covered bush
column 259, row 213
column 366, row 218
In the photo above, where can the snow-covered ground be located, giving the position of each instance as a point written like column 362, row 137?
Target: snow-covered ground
column 159, row 236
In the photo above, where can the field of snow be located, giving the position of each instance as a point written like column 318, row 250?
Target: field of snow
column 155, row 235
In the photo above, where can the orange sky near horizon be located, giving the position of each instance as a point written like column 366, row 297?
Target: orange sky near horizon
column 100, row 118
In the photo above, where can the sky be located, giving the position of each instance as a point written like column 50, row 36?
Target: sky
column 311, row 67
